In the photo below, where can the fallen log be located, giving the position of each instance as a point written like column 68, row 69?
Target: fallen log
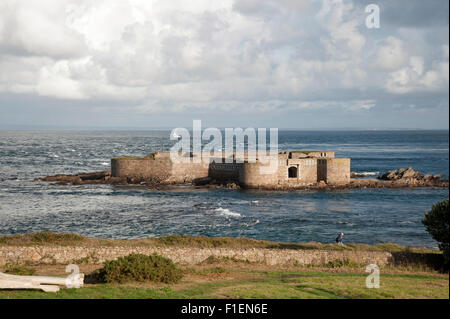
column 45, row 283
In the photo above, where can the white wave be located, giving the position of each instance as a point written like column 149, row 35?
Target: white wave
column 105, row 163
column 55, row 156
column 227, row 212
column 368, row 173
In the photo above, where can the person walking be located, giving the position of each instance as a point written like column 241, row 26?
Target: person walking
column 339, row 239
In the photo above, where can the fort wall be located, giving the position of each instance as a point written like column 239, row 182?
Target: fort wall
column 306, row 171
column 157, row 169
column 187, row 172
column 296, row 168
column 225, row 171
column 338, row 171
column 254, row 175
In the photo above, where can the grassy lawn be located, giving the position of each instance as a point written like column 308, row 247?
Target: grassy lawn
column 228, row 278
column 232, row 282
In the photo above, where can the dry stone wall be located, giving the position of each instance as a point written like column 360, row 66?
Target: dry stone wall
column 97, row 255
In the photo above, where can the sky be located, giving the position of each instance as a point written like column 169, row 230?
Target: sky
column 301, row 64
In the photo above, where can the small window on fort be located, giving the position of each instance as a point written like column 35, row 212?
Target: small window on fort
column 292, row 172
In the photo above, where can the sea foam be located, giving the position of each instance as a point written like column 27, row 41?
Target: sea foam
column 227, row 212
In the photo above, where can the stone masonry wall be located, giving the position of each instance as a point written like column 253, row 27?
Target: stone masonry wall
column 310, row 170
column 338, row 171
column 187, row 172
column 306, row 171
column 158, row 169
column 97, row 255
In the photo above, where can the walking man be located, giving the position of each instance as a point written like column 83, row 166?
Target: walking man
column 339, row 239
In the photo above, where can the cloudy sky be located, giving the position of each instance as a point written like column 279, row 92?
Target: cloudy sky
column 263, row 63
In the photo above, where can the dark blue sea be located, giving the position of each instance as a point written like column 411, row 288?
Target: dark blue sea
column 364, row 215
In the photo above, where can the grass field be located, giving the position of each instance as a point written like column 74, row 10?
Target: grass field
column 55, row 239
column 229, row 278
column 241, row 280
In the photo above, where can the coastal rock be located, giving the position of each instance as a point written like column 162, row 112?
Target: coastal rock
column 411, row 178
column 411, row 173
column 202, row 181
column 400, row 178
column 401, row 173
column 78, row 179
column 232, row 186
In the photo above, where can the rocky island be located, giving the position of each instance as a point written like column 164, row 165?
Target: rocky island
column 293, row 170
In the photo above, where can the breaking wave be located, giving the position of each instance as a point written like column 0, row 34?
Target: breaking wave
column 227, row 212
column 368, row 173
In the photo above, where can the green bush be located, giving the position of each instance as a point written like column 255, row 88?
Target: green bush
column 139, row 267
column 436, row 223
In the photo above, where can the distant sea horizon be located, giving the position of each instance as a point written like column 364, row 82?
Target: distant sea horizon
column 5, row 127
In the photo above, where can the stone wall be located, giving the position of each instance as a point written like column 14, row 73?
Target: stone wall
column 338, row 171
column 160, row 168
column 97, row 255
column 306, row 171
column 252, row 175
column 225, row 171
column 187, row 172
column 140, row 167
column 321, row 154
column 310, row 170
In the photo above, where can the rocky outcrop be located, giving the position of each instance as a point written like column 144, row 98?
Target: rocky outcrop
column 399, row 178
column 408, row 174
column 103, row 177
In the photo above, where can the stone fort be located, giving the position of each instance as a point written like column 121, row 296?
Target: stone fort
column 292, row 169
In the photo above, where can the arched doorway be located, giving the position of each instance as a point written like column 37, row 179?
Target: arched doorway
column 292, row 172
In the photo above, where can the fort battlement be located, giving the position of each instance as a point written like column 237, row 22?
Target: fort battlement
column 288, row 169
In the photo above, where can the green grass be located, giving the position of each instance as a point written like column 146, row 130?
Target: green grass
column 17, row 269
column 266, row 284
column 49, row 238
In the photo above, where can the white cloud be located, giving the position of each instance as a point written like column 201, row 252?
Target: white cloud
column 56, row 81
column 414, row 77
column 392, row 54
column 177, row 55
column 343, row 38
column 38, row 28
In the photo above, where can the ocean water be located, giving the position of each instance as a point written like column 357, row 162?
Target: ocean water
column 364, row 215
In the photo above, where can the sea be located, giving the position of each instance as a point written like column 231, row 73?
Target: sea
column 369, row 216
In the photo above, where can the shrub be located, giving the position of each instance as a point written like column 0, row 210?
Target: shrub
column 139, row 267
column 436, row 223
